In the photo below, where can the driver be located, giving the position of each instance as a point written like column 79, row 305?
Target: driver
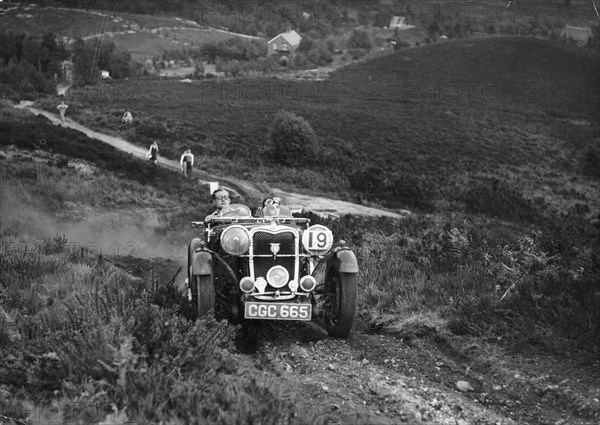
column 221, row 200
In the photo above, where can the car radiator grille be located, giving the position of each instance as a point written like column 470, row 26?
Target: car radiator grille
column 286, row 257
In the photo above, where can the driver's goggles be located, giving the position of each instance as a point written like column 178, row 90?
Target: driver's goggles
column 271, row 201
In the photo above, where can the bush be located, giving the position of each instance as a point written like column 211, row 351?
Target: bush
column 359, row 40
column 293, row 140
column 152, row 130
column 367, row 180
column 591, row 161
column 498, row 199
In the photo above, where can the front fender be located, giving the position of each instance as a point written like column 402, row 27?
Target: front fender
column 202, row 262
column 345, row 261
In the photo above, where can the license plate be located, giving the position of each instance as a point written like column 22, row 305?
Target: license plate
column 277, row 311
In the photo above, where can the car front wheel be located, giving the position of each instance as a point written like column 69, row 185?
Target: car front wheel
column 203, row 294
column 341, row 292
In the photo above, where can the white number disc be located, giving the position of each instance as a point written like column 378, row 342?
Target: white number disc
column 317, row 239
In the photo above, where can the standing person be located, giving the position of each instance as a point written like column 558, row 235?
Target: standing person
column 127, row 117
column 153, row 152
column 62, row 108
column 187, row 163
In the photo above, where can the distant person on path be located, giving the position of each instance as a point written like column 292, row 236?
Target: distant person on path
column 62, row 108
column 187, row 163
column 153, row 152
column 127, row 117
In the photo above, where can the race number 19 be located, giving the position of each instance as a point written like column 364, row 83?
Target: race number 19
column 317, row 239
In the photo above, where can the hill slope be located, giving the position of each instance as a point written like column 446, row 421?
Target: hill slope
column 445, row 116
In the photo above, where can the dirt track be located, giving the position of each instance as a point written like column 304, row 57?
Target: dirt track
column 249, row 192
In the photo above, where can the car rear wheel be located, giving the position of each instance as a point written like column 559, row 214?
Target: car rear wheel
column 203, row 294
column 341, row 291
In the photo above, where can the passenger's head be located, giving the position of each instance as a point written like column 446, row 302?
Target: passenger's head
column 267, row 202
column 271, row 206
column 220, row 198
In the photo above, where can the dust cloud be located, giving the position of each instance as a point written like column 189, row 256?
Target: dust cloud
column 111, row 233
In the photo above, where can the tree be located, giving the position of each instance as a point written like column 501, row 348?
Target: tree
column 359, row 39
column 84, row 68
column 293, row 140
column 433, row 29
column 209, row 51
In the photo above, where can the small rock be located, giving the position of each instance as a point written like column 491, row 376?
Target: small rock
column 496, row 387
column 464, row 386
column 560, row 422
column 324, row 387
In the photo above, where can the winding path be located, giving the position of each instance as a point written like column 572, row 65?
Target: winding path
column 249, row 192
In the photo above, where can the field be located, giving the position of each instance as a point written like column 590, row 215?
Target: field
column 521, row 109
column 143, row 36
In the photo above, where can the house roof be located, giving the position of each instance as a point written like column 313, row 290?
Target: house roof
column 578, row 33
column 291, row 37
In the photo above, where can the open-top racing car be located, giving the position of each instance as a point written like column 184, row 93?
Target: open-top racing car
column 272, row 267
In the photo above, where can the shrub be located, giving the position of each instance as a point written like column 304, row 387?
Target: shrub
column 359, row 40
column 293, row 140
column 498, row 199
column 368, row 180
column 152, row 130
column 591, row 161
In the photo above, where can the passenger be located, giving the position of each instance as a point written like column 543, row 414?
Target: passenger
column 271, row 207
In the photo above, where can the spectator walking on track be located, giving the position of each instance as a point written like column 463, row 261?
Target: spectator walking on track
column 153, row 152
column 187, row 163
column 62, row 108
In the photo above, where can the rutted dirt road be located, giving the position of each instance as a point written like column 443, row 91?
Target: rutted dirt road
column 247, row 191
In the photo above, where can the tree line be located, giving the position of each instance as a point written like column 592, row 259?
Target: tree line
column 32, row 63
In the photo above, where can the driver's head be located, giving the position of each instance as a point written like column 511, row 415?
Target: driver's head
column 220, row 198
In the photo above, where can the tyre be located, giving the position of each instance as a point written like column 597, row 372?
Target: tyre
column 203, row 294
column 341, row 291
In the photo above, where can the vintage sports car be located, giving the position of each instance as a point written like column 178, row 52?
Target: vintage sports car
column 273, row 267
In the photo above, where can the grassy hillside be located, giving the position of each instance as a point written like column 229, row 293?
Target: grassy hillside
column 88, row 333
column 444, row 117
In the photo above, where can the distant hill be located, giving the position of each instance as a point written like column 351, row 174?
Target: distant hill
column 144, row 36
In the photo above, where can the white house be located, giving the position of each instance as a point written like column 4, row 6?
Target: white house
column 581, row 35
column 284, row 43
column 400, row 23
column 104, row 75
